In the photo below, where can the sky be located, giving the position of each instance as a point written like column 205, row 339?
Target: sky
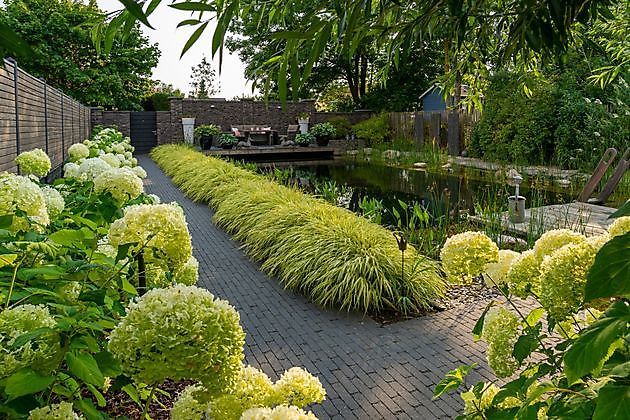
column 170, row 39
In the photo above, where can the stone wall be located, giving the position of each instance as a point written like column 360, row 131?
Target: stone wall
column 225, row 114
column 35, row 115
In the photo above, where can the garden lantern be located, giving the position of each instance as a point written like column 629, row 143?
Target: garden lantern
column 516, row 202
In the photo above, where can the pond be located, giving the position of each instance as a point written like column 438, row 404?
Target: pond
column 438, row 191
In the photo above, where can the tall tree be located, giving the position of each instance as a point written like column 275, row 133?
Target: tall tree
column 203, row 80
column 59, row 33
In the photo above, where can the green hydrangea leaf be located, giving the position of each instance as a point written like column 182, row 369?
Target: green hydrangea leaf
column 613, row 403
column 84, row 366
column 26, row 381
column 610, row 272
column 593, row 343
column 453, row 380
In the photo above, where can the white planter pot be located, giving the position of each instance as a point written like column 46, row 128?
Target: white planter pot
column 303, row 125
column 188, row 125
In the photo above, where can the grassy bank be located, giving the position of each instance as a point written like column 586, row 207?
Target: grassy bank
column 327, row 253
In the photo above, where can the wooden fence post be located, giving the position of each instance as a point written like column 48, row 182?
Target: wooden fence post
column 418, row 130
column 17, row 112
column 435, row 127
column 453, row 142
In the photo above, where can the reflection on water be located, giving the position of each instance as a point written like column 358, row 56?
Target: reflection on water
column 438, row 192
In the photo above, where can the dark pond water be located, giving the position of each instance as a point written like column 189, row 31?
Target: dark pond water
column 436, row 191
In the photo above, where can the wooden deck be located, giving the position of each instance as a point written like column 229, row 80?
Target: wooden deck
column 588, row 219
column 275, row 153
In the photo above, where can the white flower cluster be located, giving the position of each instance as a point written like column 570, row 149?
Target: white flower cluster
column 39, row 353
column 121, row 183
column 54, row 201
column 78, row 152
column 281, row 412
column 465, row 255
column 500, row 331
column 555, row 239
column 181, row 332
column 620, row 226
column 61, row 411
column 34, row 162
column 160, row 228
column 496, row 272
column 20, row 193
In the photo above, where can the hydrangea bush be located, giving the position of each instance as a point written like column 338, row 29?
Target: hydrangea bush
column 574, row 369
column 71, row 314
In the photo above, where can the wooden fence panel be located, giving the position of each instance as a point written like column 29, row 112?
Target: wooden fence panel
column 35, row 115
column 450, row 129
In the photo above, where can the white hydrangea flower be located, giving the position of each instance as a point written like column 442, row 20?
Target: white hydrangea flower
column 61, row 411
column 79, row 151
column 19, row 192
column 555, row 239
column 71, row 170
column 298, row 387
column 465, row 255
column 500, row 331
column 40, row 353
column 187, row 405
column 34, row 162
column 154, row 199
column 121, row 183
column 188, row 274
column 620, row 226
column 139, row 171
column 523, row 275
column 497, row 272
column 162, row 227
column 54, row 201
column 92, row 167
column 281, row 412
column 111, row 159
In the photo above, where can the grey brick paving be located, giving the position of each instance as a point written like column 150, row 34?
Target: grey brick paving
column 369, row 371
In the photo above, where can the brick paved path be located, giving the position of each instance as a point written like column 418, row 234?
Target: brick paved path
column 369, row 371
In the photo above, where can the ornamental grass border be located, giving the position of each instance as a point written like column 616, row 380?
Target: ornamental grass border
column 327, row 253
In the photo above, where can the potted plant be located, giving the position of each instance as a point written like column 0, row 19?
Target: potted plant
column 204, row 134
column 302, row 119
column 304, row 139
column 227, row 141
column 323, row 132
column 188, row 126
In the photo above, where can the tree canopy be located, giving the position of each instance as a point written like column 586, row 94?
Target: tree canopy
column 59, row 33
column 476, row 35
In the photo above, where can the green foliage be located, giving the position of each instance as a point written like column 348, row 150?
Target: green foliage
column 327, row 253
column 342, row 126
column 59, row 33
column 227, row 139
column 159, row 98
column 583, row 371
column 203, row 80
column 325, row 129
column 304, row 139
column 376, row 130
column 563, row 120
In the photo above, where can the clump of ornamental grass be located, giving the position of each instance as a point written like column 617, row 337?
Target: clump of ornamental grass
column 181, row 332
column 329, row 254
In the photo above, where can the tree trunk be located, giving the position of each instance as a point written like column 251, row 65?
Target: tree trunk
column 363, row 76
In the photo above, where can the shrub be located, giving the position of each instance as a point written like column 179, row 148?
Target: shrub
column 375, row 130
column 35, row 162
column 207, row 130
column 227, row 139
column 329, row 254
column 304, row 138
column 342, row 126
column 323, row 130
